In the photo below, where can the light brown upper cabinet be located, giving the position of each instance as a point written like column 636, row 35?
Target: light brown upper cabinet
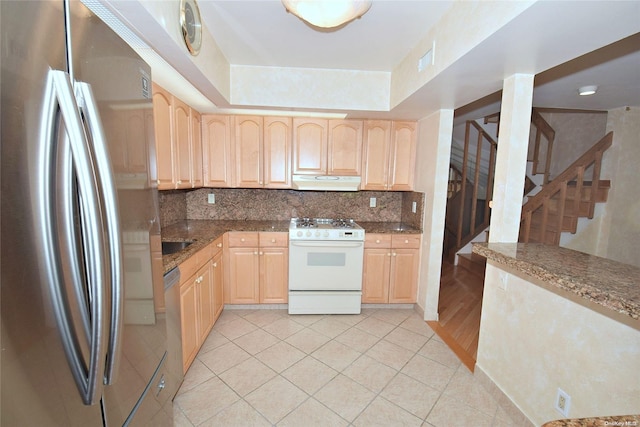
column 248, row 151
column 196, row 147
column 216, row 150
column 163, row 124
column 310, row 143
column 388, row 160
column 182, row 144
column 177, row 143
column 327, row 147
column 344, row 155
column 277, row 152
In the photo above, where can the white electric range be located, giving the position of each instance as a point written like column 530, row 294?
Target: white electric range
column 325, row 266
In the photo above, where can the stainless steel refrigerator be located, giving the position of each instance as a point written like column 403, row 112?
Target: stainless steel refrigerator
column 83, row 329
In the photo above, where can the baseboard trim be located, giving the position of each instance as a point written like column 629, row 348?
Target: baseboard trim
column 516, row 415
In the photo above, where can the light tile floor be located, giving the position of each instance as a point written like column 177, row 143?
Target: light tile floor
column 384, row 367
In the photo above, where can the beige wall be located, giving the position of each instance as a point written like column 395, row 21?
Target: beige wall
column 575, row 134
column 533, row 341
column 614, row 233
column 432, row 166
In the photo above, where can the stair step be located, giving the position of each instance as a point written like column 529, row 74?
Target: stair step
column 569, row 222
column 600, row 196
column 473, row 262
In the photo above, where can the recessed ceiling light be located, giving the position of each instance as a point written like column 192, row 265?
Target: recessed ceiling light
column 587, row 90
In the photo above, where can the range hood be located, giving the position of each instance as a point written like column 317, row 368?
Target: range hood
column 326, row 183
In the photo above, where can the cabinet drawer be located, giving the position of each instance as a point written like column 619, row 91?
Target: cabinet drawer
column 216, row 246
column 411, row 241
column 189, row 266
column 274, row 239
column 377, row 241
column 243, row 239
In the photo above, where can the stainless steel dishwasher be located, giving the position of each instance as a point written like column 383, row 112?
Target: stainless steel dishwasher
column 174, row 326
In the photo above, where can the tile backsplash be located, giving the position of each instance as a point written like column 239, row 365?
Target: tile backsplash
column 282, row 205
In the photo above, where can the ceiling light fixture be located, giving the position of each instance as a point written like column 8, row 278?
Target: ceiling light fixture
column 587, row 90
column 327, row 13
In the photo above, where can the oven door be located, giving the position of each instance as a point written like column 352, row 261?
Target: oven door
column 325, row 265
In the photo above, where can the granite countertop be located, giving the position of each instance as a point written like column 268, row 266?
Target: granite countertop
column 622, row 421
column 388, row 227
column 203, row 232
column 610, row 287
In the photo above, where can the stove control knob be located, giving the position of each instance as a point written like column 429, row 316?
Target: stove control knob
column 299, row 234
column 308, row 234
column 317, row 234
column 326, row 234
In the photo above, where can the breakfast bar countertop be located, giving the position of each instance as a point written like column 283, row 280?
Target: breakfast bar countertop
column 609, row 287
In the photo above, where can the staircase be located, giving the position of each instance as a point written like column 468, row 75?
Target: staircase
column 557, row 207
column 546, row 215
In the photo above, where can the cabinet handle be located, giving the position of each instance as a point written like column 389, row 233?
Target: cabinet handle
column 255, row 252
column 273, row 240
column 377, row 240
column 215, row 265
column 261, row 253
column 406, row 240
column 394, row 254
column 219, row 245
column 388, row 253
column 242, row 239
column 179, row 182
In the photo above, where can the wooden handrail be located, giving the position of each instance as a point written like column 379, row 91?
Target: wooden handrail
column 571, row 172
column 542, row 129
column 465, row 222
column 559, row 186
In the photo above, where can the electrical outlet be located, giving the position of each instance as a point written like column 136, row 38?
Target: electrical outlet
column 563, row 402
column 211, row 199
column 414, row 207
column 372, row 202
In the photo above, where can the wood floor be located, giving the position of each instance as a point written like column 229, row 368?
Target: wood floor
column 459, row 311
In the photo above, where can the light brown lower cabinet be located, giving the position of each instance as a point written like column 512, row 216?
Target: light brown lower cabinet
column 201, row 298
column 391, row 263
column 257, row 268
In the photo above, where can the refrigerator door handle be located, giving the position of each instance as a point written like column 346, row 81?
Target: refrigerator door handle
column 99, row 145
column 60, row 156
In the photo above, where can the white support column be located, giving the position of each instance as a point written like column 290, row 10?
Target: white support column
column 432, row 176
column 511, row 158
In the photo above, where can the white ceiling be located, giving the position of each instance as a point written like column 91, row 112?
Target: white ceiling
column 263, row 33
column 538, row 41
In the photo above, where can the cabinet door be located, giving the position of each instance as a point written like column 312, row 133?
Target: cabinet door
column 216, row 149
column 277, row 152
column 189, row 319
column 274, row 275
column 309, row 146
column 344, row 147
column 218, row 285
column 163, row 125
column 196, row 149
column 248, row 151
column 205, row 302
column 375, row 279
column 244, row 276
column 375, row 155
column 404, row 275
column 182, row 146
column 403, row 156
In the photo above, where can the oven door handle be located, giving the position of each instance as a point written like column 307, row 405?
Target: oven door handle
column 326, row 244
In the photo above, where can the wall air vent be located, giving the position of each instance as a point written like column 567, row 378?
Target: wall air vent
column 427, row 59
